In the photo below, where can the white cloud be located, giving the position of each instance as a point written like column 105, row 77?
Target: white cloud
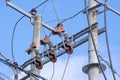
column 73, row 72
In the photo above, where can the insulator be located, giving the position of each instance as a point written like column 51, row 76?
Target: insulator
column 66, row 36
column 32, row 46
column 51, row 47
column 59, row 29
column 45, row 41
column 68, row 47
column 38, row 64
column 52, row 56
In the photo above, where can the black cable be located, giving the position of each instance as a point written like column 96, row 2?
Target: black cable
column 41, row 4
column 107, row 42
column 94, row 41
column 73, row 16
column 12, row 40
column 66, row 19
column 13, row 33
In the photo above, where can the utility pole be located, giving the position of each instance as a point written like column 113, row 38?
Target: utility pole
column 93, row 73
column 92, row 69
column 36, row 39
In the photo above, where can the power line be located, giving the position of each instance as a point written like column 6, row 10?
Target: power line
column 3, row 56
column 66, row 19
column 108, row 64
column 41, row 4
column 107, row 42
column 12, row 40
column 55, row 11
column 66, row 67
column 93, row 40
column 5, row 76
column 72, row 16
column 55, row 14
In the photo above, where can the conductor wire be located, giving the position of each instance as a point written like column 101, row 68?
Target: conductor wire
column 107, row 42
column 53, row 72
column 68, row 59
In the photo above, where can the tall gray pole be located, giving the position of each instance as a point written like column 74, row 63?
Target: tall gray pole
column 36, row 39
column 93, row 73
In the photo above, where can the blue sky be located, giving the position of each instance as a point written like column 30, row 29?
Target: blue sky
column 64, row 9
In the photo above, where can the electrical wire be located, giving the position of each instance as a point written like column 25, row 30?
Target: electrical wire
column 45, row 45
column 66, row 19
column 108, row 64
column 107, row 42
column 5, row 76
column 12, row 40
column 53, row 72
column 117, row 74
column 55, row 11
column 43, row 10
column 72, row 16
column 3, row 56
column 55, row 14
column 93, row 40
column 68, row 59
column 27, row 72
column 41, row 4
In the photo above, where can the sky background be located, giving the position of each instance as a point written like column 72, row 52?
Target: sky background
column 64, row 8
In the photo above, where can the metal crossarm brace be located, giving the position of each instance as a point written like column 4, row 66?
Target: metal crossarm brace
column 28, row 73
column 47, row 26
column 108, row 7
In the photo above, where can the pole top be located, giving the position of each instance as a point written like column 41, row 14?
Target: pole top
column 33, row 11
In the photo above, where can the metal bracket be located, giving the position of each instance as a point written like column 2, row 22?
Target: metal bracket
column 86, row 68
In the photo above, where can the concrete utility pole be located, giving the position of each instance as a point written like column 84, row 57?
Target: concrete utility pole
column 36, row 39
column 94, row 67
column 93, row 73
